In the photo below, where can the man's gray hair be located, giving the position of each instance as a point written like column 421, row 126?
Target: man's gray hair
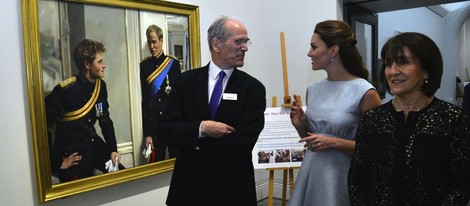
column 218, row 30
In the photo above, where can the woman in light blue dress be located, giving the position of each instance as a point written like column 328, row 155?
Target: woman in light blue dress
column 334, row 107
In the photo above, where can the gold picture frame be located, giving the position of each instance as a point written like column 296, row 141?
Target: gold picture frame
column 46, row 190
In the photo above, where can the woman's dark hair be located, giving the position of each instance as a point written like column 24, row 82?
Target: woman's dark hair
column 334, row 32
column 424, row 50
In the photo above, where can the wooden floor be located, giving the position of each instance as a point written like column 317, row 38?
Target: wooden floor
column 264, row 202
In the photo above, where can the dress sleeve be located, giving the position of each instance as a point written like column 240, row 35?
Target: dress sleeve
column 460, row 163
column 358, row 171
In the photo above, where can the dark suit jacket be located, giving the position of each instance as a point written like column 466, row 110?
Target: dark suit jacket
column 221, row 171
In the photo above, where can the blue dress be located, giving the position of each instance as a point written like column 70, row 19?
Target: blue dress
column 333, row 110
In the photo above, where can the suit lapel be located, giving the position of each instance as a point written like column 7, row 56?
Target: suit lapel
column 200, row 89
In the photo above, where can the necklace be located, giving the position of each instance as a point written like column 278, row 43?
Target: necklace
column 422, row 106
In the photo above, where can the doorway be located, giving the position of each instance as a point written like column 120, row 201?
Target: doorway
column 446, row 20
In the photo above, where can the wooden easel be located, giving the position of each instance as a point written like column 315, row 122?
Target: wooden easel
column 287, row 99
column 286, row 170
column 286, row 104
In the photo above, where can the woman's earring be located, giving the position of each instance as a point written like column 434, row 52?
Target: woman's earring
column 332, row 60
column 426, row 81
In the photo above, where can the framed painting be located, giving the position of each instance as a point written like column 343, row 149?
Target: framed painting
column 52, row 28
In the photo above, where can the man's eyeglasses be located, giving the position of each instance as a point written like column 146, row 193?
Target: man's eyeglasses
column 241, row 42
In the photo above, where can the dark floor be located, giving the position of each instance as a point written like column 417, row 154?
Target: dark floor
column 264, row 202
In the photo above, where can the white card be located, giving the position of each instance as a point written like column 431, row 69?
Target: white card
column 229, row 96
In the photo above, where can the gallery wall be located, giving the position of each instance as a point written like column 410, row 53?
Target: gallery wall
column 265, row 19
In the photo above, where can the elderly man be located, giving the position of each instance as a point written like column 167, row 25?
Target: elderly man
column 214, row 117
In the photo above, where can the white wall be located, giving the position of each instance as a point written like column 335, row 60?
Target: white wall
column 16, row 177
column 464, row 71
column 416, row 20
column 264, row 20
column 298, row 26
column 453, row 62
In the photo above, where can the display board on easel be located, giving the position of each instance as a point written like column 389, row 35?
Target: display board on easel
column 277, row 147
column 278, row 144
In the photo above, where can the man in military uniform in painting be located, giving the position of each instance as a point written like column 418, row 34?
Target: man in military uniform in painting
column 73, row 107
column 156, row 74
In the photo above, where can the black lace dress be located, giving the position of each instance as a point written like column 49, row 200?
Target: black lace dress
column 424, row 160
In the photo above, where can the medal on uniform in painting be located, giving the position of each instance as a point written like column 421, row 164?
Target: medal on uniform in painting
column 99, row 109
column 167, row 88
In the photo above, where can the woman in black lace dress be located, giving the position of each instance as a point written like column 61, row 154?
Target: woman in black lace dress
column 414, row 149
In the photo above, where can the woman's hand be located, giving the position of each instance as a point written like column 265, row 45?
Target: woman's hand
column 297, row 115
column 317, row 142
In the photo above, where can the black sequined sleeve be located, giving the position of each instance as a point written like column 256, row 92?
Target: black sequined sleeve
column 358, row 171
column 460, row 163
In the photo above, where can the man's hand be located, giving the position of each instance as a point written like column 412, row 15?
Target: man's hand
column 70, row 161
column 115, row 158
column 215, row 129
column 149, row 140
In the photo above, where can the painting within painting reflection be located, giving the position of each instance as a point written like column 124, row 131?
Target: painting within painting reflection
column 72, row 108
column 63, row 25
